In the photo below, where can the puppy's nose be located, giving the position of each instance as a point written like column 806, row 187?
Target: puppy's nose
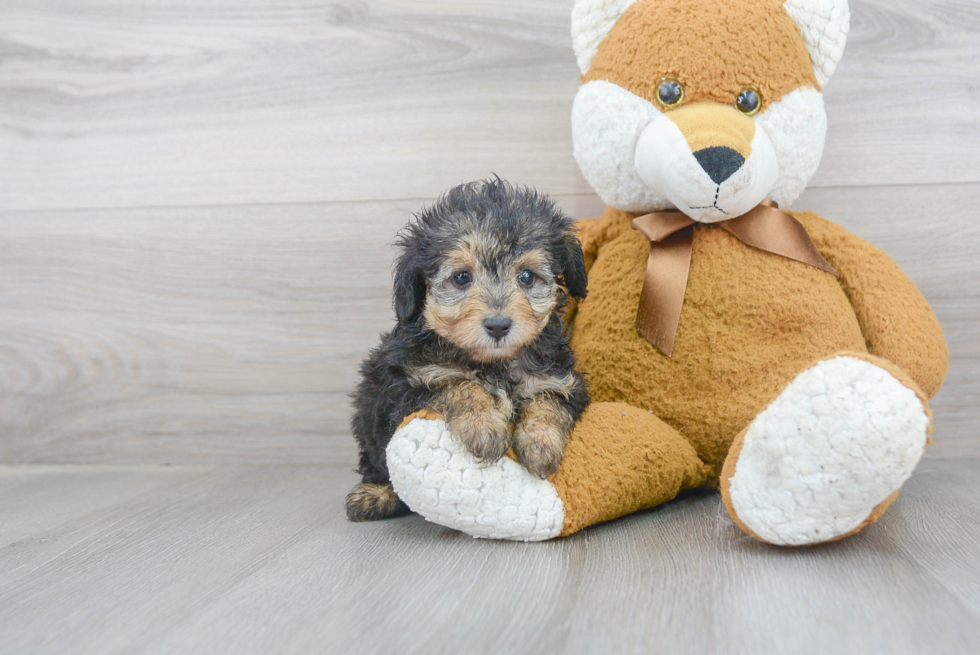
column 719, row 163
column 497, row 327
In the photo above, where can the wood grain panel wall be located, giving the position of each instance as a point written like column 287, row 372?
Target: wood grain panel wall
column 197, row 198
column 203, row 102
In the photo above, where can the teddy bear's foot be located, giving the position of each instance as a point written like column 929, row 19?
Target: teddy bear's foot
column 829, row 455
column 618, row 460
column 437, row 477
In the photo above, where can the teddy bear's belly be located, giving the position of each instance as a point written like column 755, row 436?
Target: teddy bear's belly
column 751, row 322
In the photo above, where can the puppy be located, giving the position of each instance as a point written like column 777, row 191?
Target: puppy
column 480, row 286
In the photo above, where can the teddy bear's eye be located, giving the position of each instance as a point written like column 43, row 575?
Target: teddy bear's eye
column 748, row 102
column 670, row 93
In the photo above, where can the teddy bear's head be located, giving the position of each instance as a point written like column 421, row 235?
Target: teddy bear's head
column 707, row 106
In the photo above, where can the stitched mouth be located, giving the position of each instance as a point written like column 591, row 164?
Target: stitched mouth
column 715, row 204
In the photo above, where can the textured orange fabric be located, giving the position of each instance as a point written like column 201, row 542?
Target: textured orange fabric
column 619, row 460
column 708, row 124
column 751, row 322
column 714, row 58
column 422, row 414
column 728, row 470
column 591, row 234
column 896, row 320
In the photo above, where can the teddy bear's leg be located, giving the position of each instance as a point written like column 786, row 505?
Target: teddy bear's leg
column 828, row 456
column 619, row 459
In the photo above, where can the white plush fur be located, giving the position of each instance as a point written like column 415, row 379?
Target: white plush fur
column 840, row 439
column 797, row 127
column 637, row 160
column 592, row 21
column 436, row 477
column 607, row 121
column 823, row 23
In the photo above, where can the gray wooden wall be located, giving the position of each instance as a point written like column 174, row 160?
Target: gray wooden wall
column 197, row 198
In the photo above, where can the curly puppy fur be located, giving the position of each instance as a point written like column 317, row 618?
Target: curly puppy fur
column 480, row 285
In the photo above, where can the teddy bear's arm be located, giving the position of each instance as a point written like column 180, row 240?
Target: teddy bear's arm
column 592, row 233
column 896, row 319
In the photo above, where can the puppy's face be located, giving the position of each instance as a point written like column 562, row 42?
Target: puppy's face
column 489, row 300
column 486, row 267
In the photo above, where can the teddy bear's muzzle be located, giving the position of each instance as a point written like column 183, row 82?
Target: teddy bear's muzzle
column 709, row 160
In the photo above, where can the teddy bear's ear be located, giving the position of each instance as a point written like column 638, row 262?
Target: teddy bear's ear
column 592, row 21
column 824, row 24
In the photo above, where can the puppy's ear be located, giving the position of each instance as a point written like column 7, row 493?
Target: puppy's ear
column 409, row 297
column 572, row 263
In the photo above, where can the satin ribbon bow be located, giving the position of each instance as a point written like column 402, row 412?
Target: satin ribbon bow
column 671, row 235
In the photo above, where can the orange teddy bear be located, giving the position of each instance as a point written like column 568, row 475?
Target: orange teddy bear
column 728, row 343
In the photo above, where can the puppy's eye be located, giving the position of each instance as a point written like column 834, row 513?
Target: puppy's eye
column 462, row 279
column 748, row 102
column 526, row 278
column 670, row 93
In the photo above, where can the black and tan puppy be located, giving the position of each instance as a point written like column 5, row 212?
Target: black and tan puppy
column 479, row 287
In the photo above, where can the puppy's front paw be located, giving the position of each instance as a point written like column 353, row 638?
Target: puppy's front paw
column 540, row 451
column 479, row 420
column 485, row 432
column 539, row 438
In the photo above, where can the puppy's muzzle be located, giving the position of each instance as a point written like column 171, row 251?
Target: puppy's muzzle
column 497, row 327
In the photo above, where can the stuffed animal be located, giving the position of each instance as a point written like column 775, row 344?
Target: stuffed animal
column 727, row 342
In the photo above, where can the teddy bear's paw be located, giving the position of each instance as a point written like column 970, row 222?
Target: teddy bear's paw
column 834, row 446
column 437, row 477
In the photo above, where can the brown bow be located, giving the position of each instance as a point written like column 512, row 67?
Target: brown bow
column 671, row 235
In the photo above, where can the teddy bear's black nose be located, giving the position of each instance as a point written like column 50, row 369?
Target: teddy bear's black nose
column 719, row 162
column 497, row 327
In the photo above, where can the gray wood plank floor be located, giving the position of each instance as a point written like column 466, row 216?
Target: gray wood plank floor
column 246, row 559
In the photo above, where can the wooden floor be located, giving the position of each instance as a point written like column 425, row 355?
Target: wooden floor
column 247, row 559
